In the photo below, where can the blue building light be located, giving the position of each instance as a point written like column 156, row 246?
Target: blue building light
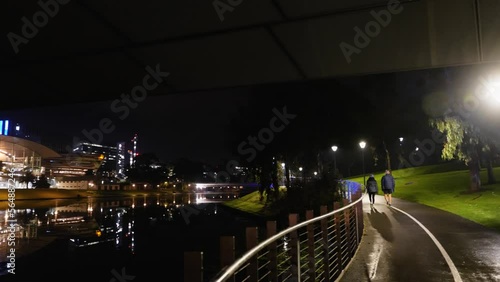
column 6, row 128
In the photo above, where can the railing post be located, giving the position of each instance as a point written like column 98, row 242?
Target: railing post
column 227, row 252
column 348, row 230
column 193, row 266
column 336, row 206
column 253, row 267
column 294, row 248
column 326, row 248
column 273, row 252
column 310, row 247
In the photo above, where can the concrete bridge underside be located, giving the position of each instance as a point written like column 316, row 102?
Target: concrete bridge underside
column 94, row 50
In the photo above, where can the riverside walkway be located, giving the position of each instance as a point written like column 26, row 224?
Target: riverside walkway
column 412, row 242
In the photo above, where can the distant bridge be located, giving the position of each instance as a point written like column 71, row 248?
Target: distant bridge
column 224, row 187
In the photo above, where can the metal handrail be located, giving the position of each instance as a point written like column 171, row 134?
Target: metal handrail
column 230, row 270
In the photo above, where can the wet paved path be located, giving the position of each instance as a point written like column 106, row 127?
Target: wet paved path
column 412, row 242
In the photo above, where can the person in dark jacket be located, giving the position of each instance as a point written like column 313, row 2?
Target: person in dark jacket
column 372, row 189
column 388, row 186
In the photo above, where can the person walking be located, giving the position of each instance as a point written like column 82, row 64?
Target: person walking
column 388, row 185
column 372, row 189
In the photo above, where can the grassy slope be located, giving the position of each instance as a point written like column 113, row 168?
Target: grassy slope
column 441, row 186
column 251, row 203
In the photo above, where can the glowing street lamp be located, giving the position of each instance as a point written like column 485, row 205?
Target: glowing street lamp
column 362, row 145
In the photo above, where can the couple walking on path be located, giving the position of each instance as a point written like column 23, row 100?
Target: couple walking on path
column 388, row 184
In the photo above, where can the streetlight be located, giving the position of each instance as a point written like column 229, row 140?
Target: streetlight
column 362, row 145
column 334, row 149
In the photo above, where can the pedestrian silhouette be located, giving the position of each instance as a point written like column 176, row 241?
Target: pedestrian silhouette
column 388, row 186
column 372, row 189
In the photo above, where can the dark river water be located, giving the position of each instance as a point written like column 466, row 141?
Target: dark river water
column 117, row 239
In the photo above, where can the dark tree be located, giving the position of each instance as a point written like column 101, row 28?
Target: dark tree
column 148, row 168
column 189, row 171
column 42, row 182
column 27, row 177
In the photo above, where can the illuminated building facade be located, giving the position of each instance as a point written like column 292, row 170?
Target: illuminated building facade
column 20, row 156
column 108, row 155
column 71, row 165
column 120, row 160
column 113, row 158
column 133, row 153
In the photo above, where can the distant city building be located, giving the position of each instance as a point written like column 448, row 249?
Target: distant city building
column 71, row 165
column 120, row 160
column 133, row 153
column 113, row 158
column 20, row 156
column 109, row 155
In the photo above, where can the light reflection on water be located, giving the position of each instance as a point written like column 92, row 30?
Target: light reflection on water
column 96, row 221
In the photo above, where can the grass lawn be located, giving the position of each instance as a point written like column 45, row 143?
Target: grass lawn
column 251, row 203
column 442, row 186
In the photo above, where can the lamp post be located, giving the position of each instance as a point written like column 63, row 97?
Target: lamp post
column 401, row 150
column 334, row 149
column 362, row 145
column 284, row 173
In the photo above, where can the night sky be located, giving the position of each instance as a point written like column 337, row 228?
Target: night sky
column 200, row 125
